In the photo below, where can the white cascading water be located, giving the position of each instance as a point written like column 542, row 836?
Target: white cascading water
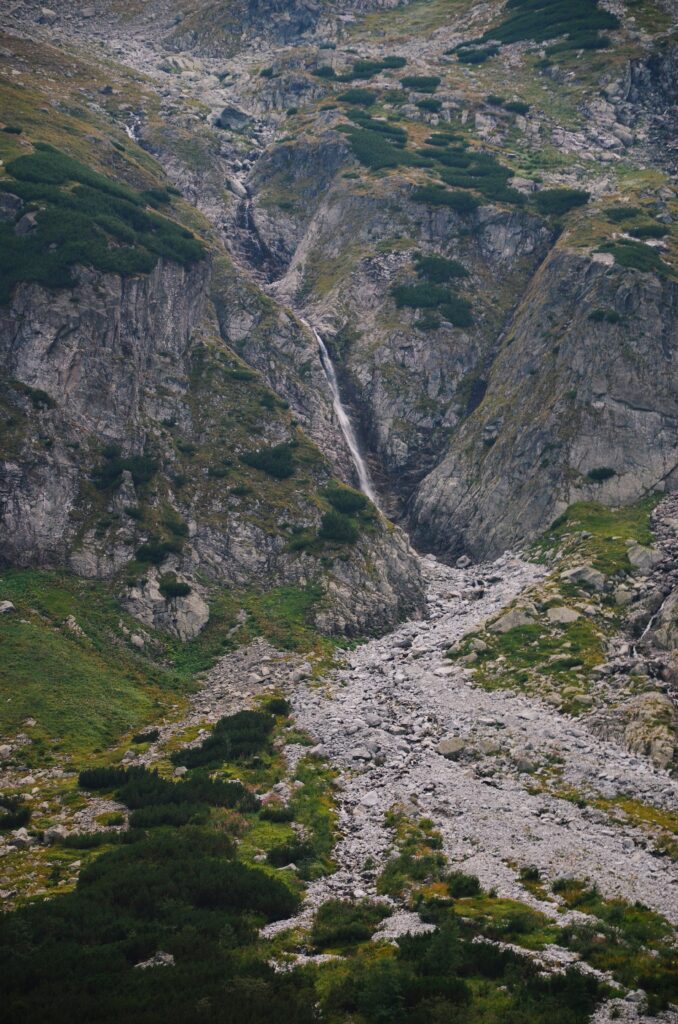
column 344, row 420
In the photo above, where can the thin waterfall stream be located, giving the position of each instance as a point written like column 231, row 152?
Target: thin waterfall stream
column 344, row 420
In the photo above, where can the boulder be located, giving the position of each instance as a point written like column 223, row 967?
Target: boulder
column 452, row 747
column 6, row 607
column 585, row 574
column 512, row 620
column 9, row 206
column 21, row 840
column 562, row 615
column 183, row 616
column 159, row 959
column 55, row 834
column 47, row 16
column 232, row 118
column 27, row 224
column 643, row 558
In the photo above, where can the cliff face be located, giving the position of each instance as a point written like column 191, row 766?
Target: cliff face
column 577, row 408
column 85, row 365
column 127, row 417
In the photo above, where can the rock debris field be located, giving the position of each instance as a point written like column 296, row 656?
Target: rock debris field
column 382, row 719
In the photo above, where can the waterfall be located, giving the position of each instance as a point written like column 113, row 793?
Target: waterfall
column 344, row 420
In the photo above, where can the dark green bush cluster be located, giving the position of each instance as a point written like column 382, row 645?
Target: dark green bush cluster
column 439, row 269
column 361, row 97
column 341, row 922
column 38, row 398
column 393, row 132
column 460, row 885
column 102, row 778
column 472, row 54
column 601, row 473
column 438, row 976
column 345, row 499
column 96, row 222
column 148, row 736
column 559, row 201
column 433, row 292
column 88, row 840
column 13, row 812
column 368, row 68
column 170, row 587
column 73, row 958
column 430, row 104
column 294, row 852
column 377, row 144
column 109, row 473
column 137, row 787
column 517, row 107
column 437, row 195
column 420, row 83
column 155, row 551
column 174, row 815
column 467, row 168
column 339, row 528
column 617, row 214
column 539, row 20
column 277, row 706
column 635, row 256
column 649, row 231
column 277, row 461
column 276, row 812
column 637, row 944
column 235, row 736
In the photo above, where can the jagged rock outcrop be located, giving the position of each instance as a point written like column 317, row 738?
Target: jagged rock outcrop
column 576, row 408
column 90, row 364
column 114, row 386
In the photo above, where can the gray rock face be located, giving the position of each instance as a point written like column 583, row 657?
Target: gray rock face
column 185, row 617
column 110, row 361
column 603, row 396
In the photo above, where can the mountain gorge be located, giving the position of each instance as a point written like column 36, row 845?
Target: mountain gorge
column 338, row 349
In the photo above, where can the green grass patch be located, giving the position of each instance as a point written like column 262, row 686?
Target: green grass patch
column 86, row 691
column 609, row 530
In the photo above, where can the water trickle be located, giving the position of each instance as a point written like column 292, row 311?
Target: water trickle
column 344, row 420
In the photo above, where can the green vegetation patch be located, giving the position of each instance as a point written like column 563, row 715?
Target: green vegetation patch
column 179, row 891
column 84, row 691
column 340, row 923
column 82, row 217
column 421, row 83
column 605, row 530
column 539, row 20
column 433, row 292
column 233, row 737
column 437, row 195
column 277, row 461
column 635, row 256
column 632, row 942
column 462, row 167
column 559, row 201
